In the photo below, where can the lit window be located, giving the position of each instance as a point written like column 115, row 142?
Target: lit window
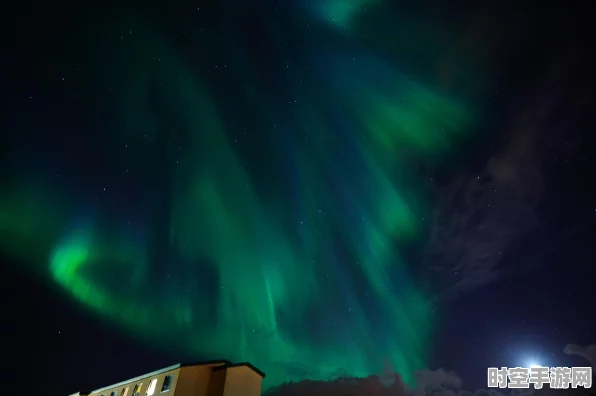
column 151, row 387
column 137, row 390
column 167, row 383
column 124, row 391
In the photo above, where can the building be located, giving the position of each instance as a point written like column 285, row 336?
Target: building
column 216, row 378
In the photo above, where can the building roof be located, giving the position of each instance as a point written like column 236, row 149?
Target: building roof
column 220, row 365
column 243, row 364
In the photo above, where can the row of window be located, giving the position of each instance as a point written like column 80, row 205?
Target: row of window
column 165, row 386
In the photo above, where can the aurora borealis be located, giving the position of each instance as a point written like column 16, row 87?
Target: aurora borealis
column 241, row 198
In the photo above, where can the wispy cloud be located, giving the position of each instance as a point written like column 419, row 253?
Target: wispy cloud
column 483, row 215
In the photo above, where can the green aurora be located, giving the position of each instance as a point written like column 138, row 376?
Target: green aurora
column 260, row 216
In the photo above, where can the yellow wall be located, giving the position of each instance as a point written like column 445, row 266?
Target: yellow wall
column 216, row 383
column 194, row 380
column 200, row 380
column 242, row 381
column 145, row 381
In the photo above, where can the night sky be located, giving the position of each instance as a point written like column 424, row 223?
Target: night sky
column 322, row 188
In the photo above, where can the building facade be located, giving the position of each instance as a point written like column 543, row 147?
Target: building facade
column 216, row 378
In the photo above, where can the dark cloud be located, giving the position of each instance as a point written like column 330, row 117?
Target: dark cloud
column 483, row 215
column 370, row 386
column 588, row 353
column 439, row 382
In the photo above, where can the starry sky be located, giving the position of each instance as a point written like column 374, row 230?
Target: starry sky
column 322, row 188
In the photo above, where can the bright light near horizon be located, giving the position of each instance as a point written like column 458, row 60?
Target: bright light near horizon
column 534, row 364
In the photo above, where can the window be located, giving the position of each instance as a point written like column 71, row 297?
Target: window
column 151, row 387
column 124, row 392
column 137, row 389
column 167, row 383
column 113, row 393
